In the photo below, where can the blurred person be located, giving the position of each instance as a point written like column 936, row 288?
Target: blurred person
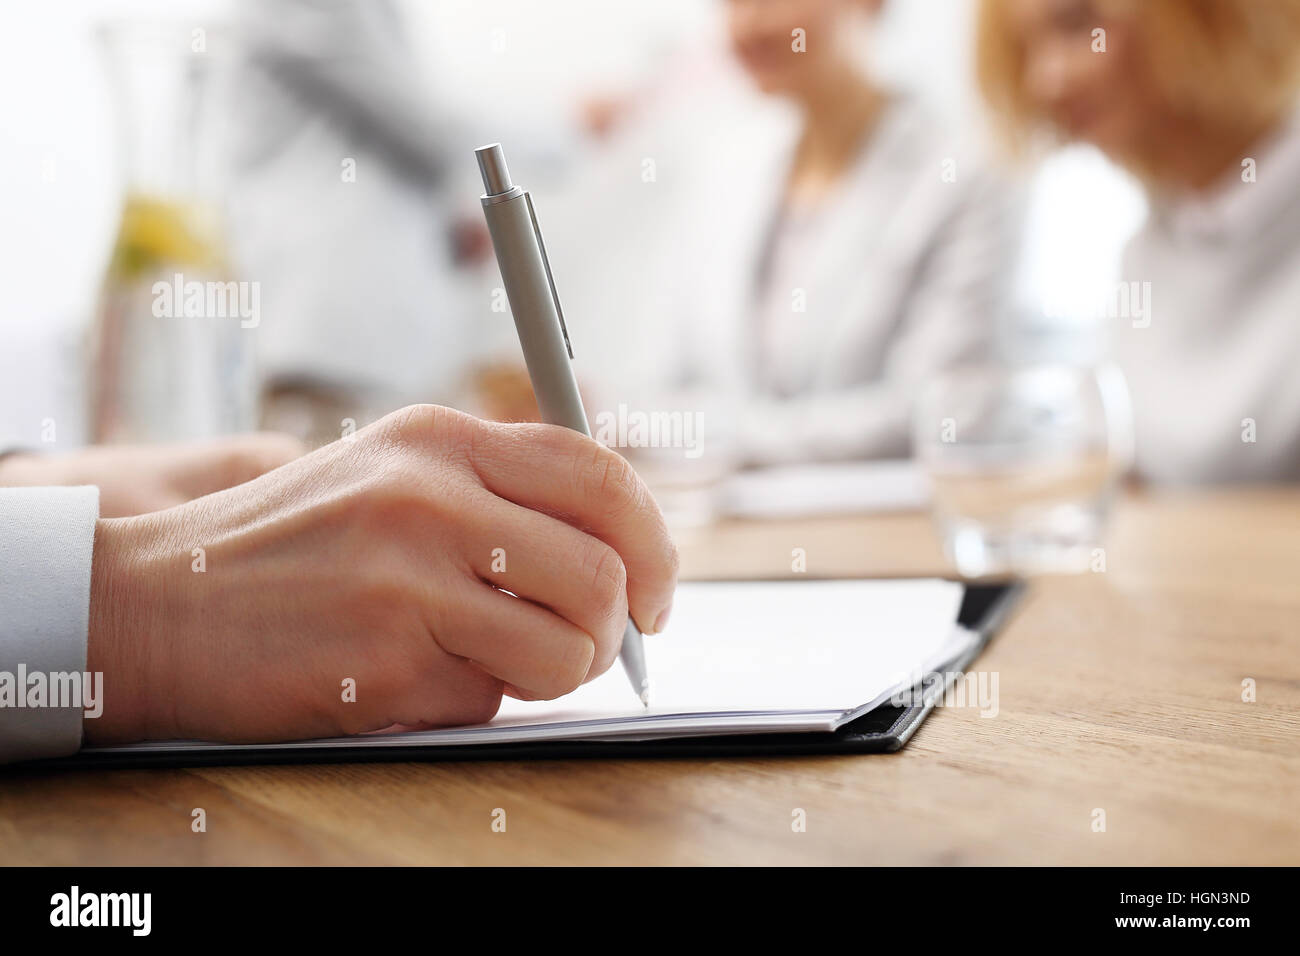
column 236, row 616
column 1197, row 98
column 340, row 164
column 855, row 245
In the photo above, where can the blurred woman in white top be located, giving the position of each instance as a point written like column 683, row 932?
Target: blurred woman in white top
column 848, row 249
column 1198, row 99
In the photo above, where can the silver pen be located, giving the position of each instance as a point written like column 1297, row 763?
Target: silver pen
column 521, row 256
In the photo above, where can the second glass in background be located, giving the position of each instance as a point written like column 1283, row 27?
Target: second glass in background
column 1024, row 462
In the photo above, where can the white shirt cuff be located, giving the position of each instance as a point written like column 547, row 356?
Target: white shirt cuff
column 47, row 537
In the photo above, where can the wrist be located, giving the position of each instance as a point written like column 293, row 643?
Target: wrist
column 121, row 642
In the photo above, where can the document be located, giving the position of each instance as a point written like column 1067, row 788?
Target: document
column 739, row 657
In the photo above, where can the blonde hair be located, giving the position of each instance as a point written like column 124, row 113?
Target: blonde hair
column 1222, row 60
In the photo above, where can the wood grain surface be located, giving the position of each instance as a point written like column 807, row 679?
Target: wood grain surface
column 1118, row 691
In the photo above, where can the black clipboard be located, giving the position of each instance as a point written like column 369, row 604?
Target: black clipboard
column 887, row 728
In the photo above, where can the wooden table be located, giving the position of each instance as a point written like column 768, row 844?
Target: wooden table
column 1118, row 691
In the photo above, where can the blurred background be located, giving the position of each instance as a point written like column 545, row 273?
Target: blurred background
column 800, row 271
column 398, row 302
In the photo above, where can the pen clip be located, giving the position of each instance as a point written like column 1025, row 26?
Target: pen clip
column 546, row 264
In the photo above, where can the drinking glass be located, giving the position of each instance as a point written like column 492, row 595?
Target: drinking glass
column 1024, row 462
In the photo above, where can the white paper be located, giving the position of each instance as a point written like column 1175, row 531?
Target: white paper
column 747, row 647
column 737, row 657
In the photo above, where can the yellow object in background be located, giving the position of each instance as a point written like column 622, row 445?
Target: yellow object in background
column 166, row 377
column 156, row 234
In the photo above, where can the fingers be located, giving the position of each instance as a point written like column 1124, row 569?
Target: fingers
column 550, row 516
column 201, row 468
column 530, row 648
column 247, row 456
column 556, row 470
column 550, row 563
column 265, row 451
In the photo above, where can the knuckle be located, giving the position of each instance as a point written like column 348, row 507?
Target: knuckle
column 420, row 469
column 419, row 426
column 551, row 441
column 607, row 577
column 608, row 601
column 570, row 668
column 405, row 423
column 608, row 574
column 611, row 480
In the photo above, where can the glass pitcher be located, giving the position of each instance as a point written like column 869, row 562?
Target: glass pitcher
column 170, row 347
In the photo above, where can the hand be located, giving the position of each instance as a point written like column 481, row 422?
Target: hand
column 435, row 560
column 134, row 479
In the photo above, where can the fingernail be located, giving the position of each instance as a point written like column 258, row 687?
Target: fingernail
column 662, row 620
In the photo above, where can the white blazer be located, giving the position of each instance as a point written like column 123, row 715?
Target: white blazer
column 1215, row 372
column 338, row 163
column 909, row 270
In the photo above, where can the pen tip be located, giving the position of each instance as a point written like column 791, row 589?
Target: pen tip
column 645, row 697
